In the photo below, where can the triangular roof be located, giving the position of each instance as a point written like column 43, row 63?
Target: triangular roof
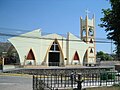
column 32, row 34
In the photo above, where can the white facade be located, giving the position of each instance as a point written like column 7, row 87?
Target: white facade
column 51, row 50
column 40, row 45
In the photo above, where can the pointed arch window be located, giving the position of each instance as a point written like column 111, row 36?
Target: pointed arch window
column 55, row 46
column 84, row 32
column 76, row 57
column 91, row 41
column 91, row 32
column 91, row 51
column 30, row 55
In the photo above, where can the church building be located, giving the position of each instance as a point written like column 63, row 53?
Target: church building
column 38, row 49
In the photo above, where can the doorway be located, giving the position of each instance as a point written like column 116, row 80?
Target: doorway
column 54, row 58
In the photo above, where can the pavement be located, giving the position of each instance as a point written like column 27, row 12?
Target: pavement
column 15, row 82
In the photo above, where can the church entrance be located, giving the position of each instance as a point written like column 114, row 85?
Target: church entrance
column 54, row 54
column 54, row 58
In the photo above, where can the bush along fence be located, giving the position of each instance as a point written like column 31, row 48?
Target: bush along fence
column 74, row 80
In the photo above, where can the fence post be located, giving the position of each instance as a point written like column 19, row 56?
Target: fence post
column 65, row 80
column 61, row 79
column 79, row 82
column 107, row 78
column 72, row 79
column 100, row 79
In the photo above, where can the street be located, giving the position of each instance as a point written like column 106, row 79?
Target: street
column 15, row 83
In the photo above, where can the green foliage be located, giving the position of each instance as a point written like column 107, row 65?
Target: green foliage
column 103, row 76
column 116, row 85
column 111, row 23
column 104, row 57
column 4, row 47
column 107, row 76
column 10, row 54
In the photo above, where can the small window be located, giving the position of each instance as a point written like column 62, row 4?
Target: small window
column 91, row 33
column 54, row 46
column 76, row 57
column 30, row 55
column 84, row 32
column 91, row 51
column 91, row 41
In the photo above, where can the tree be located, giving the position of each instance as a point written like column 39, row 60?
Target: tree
column 111, row 23
column 104, row 56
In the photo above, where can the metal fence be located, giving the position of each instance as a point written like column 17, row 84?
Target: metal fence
column 55, row 81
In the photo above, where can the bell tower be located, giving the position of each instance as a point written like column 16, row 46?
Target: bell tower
column 87, row 33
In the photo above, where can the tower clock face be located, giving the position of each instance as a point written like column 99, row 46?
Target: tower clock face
column 91, row 32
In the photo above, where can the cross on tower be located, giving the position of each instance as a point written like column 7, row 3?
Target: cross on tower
column 87, row 11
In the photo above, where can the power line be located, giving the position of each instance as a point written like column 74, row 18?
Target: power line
column 13, row 29
column 44, row 33
column 21, row 36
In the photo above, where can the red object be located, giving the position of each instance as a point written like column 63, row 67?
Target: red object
column 76, row 57
column 30, row 55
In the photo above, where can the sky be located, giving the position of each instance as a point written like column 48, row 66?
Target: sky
column 52, row 16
